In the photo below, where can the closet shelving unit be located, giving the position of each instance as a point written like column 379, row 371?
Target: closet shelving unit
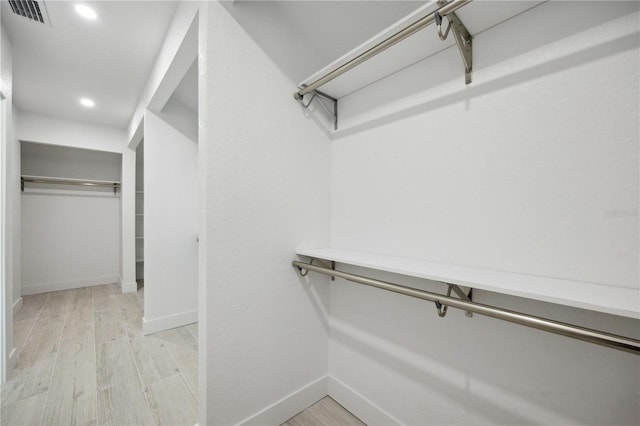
column 408, row 41
column 139, row 227
column 371, row 62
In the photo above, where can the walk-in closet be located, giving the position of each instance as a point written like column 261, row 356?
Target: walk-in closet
column 323, row 213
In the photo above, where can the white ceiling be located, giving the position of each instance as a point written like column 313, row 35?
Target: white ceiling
column 301, row 36
column 107, row 60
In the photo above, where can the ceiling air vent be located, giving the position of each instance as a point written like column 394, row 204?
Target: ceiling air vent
column 34, row 10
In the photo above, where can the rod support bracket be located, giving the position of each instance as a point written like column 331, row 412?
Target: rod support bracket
column 442, row 310
column 328, row 103
column 463, row 38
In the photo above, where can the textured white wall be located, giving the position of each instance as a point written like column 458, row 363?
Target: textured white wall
column 170, row 225
column 531, row 169
column 267, row 193
column 70, row 239
column 10, row 205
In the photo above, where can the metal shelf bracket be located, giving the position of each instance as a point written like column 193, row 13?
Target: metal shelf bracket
column 442, row 310
column 464, row 39
column 331, row 109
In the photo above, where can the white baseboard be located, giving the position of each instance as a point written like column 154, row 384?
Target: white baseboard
column 68, row 285
column 130, row 287
column 290, row 405
column 11, row 362
column 17, row 306
column 358, row 405
column 166, row 323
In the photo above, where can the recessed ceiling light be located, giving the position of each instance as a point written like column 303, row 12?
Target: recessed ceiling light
column 86, row 102
column 86, row 12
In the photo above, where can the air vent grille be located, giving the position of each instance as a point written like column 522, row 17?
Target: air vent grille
column 29, row 9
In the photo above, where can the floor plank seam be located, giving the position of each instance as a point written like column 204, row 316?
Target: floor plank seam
column 95, row 352
column 55, row 363
column 135, row 363
column 173, row 357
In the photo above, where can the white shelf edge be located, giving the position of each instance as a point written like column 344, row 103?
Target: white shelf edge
column 608, row 299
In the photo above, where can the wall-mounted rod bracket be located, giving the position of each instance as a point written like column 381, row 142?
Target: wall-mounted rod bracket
column 303, row 272
column 442, row 310
column 464, row 39
column 328, row 103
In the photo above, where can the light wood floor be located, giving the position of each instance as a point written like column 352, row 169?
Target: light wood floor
column 83, row 360
column 325, row 412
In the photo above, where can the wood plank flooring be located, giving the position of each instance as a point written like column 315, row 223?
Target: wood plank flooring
column 325, row 412
column 83, row 360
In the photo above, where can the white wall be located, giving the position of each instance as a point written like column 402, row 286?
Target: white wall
column 70, row 239
column 170, row 226
column 10, row 201
column 56, row 131
column 181, row 118
column 267, row 193
column 523, row 171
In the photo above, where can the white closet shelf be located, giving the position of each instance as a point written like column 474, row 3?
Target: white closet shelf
column 596, row 297
column 476, row 16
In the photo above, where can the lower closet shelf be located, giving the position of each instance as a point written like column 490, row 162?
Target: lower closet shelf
column 609, row 299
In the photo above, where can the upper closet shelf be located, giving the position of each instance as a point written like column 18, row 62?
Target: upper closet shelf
column 596, row 297
column 407, row 42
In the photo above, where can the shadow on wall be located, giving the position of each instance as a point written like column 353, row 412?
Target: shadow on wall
column 504, row 372
column 479, row 89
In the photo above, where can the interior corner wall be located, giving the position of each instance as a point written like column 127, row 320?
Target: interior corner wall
column 170, row 226
column 10, row 158
column 533, row 169
column 267, row 192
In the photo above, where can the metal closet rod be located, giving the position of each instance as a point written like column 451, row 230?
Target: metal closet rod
column 383, row 45
column 586, row 334
column 61, row 181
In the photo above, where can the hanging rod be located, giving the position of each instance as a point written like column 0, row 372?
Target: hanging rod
column 383, row 45
column 586, row 334
column 63, row 181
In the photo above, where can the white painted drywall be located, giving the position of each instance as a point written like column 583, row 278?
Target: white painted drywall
column 532, row 169
column 56, row 131
column 10, row 169
column 267, row 193
column 170, row 226
column 70, row 239
column 180, row 117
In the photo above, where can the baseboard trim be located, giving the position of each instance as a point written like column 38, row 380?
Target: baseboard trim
column 68, row 285
column 358, row 405
column 282, row 410
column 130, row 287
column 11, row 362
column 17, row 306
column 166, row 323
